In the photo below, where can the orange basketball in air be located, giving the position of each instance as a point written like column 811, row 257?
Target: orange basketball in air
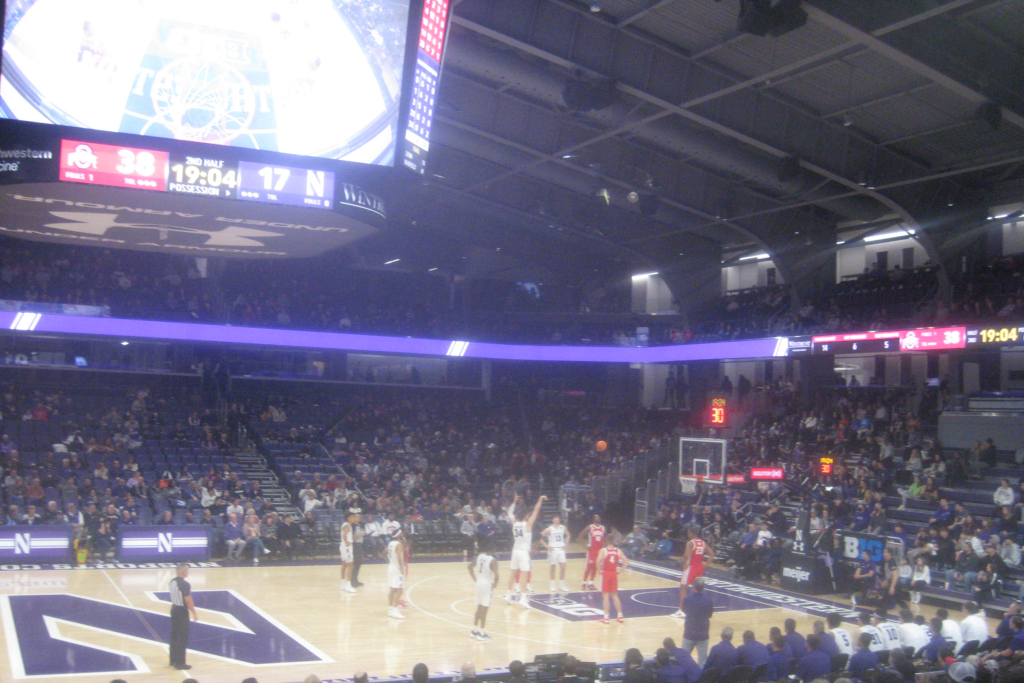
column 601, row 446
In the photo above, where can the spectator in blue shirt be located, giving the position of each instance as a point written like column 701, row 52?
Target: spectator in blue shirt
column 864, row 577
column 943, row 516
column 827, row 640
column 670, row 670
column 751, row 653
column 685, row 515
column 689, row 668
column 863, row 659
column 1016, row 643
column 814, row 664
column 746, row 553
column 698, row 608
column 937, row 644
column 663, row 548
column 899, row 532
column 778, row 661
column 486, row 529
column 723, row 656
column 797, row 643
column 861, row 519
column 775, row 631
column 1004, row 632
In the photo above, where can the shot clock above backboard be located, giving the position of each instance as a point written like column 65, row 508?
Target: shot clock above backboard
column 718, row 413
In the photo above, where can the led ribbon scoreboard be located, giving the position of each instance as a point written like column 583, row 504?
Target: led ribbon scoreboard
column 897, row 341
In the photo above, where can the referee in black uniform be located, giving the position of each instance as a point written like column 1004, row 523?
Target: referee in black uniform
column 181, row 605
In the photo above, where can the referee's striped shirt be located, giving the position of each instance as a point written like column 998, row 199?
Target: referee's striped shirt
column 180, row 589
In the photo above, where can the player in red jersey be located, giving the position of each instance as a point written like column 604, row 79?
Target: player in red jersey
column 595, row 543
column 608, row 559
column 697, row 553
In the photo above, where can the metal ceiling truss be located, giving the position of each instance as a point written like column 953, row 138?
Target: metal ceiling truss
column 752, row 118
column 748, row 128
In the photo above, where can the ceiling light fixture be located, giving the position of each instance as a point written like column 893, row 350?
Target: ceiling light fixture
column 889, row 236
column 595, row 7
column 394, row 260
column 644, row 276
column 752, row 257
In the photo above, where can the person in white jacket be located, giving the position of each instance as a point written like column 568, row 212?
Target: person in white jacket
column 1004, row 495
column 921, row 578
column 1010, row 552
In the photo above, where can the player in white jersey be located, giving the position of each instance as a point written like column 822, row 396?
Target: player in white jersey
column 484, row 572
column 522, row 541
column 911, row 635
column 554, row 539
column 347, row 548
column 950, row 630
column 396, row 572
column 864, row 621
column 844, row 641
column 888, row 631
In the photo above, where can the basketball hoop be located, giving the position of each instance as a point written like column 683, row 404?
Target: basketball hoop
column 688, row 484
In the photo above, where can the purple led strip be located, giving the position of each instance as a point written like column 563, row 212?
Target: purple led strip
column 261, row 336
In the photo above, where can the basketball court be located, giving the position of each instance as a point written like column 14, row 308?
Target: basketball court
column 281, row 623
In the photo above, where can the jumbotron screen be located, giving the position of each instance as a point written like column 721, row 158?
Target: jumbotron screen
column 319, row 78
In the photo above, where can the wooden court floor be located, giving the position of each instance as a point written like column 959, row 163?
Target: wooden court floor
column 281, row 623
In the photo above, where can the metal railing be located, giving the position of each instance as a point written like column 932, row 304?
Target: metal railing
column 639, row 474
column 640, row 509
column 571, row 498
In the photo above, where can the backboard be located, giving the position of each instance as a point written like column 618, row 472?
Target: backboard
column 703, row 460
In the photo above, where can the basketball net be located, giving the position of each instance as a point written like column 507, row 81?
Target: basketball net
column 688, row 483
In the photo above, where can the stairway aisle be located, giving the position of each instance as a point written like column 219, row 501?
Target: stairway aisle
column 254, row 467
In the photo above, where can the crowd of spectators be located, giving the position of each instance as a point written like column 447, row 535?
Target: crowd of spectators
column 458, row 464
column 101, row 461
column 329, row 294
column 130, row 284
column 891, row 478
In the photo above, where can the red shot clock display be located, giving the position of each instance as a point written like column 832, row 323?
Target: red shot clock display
column 93, row 163
column 718, row 413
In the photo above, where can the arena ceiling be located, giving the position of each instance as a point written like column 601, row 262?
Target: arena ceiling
column 552, row 112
